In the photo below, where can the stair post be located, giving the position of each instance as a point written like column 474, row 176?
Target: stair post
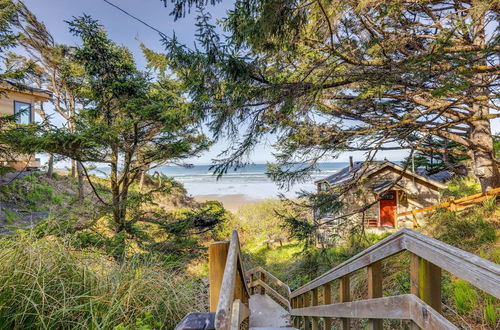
column 327, row 300
column 425, row 282
column 315, row 320
column 263, row 279
column 217, row 255
column 345, row 296
column 307, row 303
column 375, row 291
column 296, row 322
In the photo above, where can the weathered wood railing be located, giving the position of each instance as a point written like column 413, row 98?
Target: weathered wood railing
column 422, row 305
column 232, row 294
column 229, row 293
column 454, row 205
column 262, row 279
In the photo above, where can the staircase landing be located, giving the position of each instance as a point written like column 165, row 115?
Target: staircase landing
column 266, row 314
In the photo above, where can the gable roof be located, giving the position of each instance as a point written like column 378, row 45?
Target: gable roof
column 346, row 174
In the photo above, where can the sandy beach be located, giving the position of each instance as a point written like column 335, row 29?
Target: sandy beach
column 231, row 202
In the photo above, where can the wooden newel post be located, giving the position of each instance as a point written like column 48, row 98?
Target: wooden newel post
column 315, row 320
column 345, row 296
column 327, row 300
column 217, row 255
column 375, row 291
column 307, row 302
column 425, row 281
column 263, row 279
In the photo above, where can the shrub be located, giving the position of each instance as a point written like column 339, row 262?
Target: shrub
column 45, row 285
column 464, row 230
column 462, row 187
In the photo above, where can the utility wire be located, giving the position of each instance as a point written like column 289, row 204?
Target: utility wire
column 163, row 35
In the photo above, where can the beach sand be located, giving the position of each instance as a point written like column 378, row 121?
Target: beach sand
column 231, row 202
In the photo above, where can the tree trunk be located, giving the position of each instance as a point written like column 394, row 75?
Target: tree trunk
column 115, row 192
column 73, row 168
column 483, row 154
column 79, row 169
column 141, row 182
column 50, row 166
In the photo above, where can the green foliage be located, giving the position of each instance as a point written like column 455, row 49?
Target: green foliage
column 462, row 187
column 300, row 70
column 465, row 297
column 45, row 284
column 467, row 231
column 6, row 169
column 437, row 155
column 10, row 216
column 490, row 311
column 258, row 221
column 8, row 37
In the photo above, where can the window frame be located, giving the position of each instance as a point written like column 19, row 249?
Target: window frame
column 30, row 111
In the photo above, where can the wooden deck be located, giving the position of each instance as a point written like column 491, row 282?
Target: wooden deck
column 258, row 300
column 266, row 313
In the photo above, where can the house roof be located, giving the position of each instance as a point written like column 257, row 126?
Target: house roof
column 442, row 176
column 39, row 93
column 390, row 184
column 346, row 174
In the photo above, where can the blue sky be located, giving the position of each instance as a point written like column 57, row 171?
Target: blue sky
column 130, row 33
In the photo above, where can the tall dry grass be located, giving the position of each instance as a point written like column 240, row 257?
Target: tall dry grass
column 44, row 285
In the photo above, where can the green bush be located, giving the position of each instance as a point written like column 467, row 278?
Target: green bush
column 462, row 187
column 464, row 230
column 46, row 285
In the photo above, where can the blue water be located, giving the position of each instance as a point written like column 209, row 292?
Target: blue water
column 250, row 181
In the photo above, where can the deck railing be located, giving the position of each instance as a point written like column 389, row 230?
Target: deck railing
column 312, row 303
column 262, row 280
column 229, row 292
column 422, row 305
column 453, row 205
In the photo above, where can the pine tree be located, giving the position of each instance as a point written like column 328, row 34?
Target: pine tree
column 342, row 75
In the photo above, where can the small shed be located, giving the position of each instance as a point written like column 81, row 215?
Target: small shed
column 382, row 189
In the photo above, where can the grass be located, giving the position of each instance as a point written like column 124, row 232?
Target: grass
column 45, row 285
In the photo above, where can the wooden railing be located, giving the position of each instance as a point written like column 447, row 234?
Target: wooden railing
column 454, row 204
column 232, row 294
column 261, row 279
column 422, row 305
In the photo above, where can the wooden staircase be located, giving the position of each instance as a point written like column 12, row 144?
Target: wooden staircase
column 258, row 300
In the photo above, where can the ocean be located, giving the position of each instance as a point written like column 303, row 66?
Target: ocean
column 250, row 181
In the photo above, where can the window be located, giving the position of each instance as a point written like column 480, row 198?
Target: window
column 390, row 195
column 24, row 111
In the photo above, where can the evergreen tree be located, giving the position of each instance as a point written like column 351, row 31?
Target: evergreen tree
column 128, row 122
column 341, row 75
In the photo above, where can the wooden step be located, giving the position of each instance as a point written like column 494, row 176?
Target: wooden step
column 265, row 313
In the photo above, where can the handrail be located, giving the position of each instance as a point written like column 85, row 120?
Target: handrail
column 476, row 198
column 402, row 307
column 274, row 293
column 479, row 272
column 239, row 314
column 422, row 306
column 269, row 276
column 227, row 297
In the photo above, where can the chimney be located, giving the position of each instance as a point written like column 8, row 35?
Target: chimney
column 351, row 163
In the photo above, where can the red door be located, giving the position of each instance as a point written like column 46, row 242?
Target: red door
column 388, row 205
